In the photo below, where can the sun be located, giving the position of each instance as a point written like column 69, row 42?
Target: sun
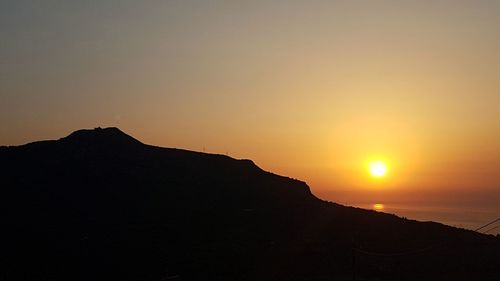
column 377, row 169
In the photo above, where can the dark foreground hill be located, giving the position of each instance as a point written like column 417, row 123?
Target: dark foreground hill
column 100, row 205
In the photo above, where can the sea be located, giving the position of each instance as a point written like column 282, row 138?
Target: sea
column 468, row 217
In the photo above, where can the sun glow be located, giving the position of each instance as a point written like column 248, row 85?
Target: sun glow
column 377, row 169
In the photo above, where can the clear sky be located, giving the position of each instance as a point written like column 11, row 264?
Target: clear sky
column 308, row 89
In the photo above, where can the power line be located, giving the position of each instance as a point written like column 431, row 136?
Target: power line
column 420, row 250
column 477, row 229
column 495, row 227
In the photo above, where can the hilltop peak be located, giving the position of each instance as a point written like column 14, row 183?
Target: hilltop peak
column 110, row 135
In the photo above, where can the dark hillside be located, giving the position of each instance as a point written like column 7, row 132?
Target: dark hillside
column 100, row 205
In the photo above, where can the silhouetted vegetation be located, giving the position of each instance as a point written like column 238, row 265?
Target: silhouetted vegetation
column 100, row 205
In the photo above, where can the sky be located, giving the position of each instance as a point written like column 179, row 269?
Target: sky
column 312, row 90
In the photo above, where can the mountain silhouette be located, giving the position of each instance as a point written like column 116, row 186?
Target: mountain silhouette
column 100, row 205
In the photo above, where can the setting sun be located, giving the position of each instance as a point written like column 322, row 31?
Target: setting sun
column 378, row 169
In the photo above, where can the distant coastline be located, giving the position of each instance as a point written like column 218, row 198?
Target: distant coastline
column 469, row 217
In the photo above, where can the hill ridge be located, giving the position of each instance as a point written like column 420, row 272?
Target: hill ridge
column 99, row 204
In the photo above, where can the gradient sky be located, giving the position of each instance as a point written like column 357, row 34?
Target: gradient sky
column 307, row 89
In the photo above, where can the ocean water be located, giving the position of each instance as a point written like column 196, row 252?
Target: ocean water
column 469, row 217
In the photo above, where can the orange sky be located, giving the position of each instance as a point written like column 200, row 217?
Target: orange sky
column 308, row 89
